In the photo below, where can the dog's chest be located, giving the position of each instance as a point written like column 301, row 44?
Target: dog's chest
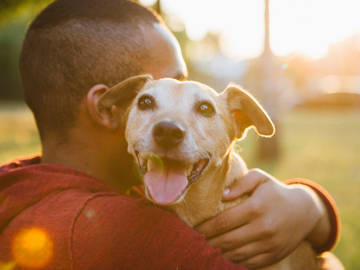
column 204, row 199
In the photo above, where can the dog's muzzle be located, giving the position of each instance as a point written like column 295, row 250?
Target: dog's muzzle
column 167, row 180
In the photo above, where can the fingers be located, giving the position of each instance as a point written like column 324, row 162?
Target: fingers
column 247, row 252
column 246, row 184
column 226, row 221
column 236, row 238
column 229, row 219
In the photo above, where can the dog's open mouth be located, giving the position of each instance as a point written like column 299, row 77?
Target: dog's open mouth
column 167, row 180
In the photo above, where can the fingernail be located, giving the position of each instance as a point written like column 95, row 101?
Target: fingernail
column 226, row 191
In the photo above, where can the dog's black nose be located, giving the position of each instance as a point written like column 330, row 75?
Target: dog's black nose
column 168, row 134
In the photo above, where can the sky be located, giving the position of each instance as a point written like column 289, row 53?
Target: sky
column 303, row 26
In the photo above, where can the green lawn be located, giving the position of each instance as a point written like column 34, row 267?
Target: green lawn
column 18, row 134
column 323, row 146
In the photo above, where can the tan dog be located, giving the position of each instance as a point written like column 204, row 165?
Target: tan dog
column 181, row 134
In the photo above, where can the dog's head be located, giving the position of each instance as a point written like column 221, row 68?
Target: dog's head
column 178, row 130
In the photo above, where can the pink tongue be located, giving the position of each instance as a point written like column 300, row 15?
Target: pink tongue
column 165, row 186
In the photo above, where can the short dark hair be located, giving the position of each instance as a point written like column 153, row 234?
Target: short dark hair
column 69, row 47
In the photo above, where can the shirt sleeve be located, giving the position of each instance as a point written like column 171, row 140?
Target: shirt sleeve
column 331, row 210
column 119, row 232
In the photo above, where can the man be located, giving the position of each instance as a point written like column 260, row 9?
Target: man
column 71, row 197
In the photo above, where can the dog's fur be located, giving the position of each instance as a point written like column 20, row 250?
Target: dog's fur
column 206, row 137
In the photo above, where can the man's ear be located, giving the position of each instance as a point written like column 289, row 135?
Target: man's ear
column 104, row 103
column 247, row 112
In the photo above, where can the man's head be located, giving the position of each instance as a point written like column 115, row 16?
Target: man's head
column 74, row 45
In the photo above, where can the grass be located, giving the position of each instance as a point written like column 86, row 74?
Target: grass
column 323, row 146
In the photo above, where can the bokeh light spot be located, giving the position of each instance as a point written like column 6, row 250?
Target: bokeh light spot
column 284, row 66
column 32, row 248
column 7, row 266
column 90, row 213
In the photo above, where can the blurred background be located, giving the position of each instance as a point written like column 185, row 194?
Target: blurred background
column 300, row 58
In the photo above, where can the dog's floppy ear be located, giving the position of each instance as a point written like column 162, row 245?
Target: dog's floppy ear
column 124, row 91
column 247, row 112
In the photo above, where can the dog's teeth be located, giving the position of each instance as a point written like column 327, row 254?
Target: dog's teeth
column 190, row 169
column 201, row 165
column 142, row 161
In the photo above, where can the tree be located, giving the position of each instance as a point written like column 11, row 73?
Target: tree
column 12, row 10
column 269, row 147
column 14, row 18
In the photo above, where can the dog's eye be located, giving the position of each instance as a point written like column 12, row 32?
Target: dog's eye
column 146, row 102
column 206, row 109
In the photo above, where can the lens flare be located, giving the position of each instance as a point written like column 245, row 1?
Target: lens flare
column 32, row 248
column 7, row 266
column 284, row 66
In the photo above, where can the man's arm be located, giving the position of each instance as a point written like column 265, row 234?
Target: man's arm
column 270, row 224
column 325, row 235
column 125, row 233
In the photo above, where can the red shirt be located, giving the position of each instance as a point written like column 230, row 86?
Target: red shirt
column 87, row 225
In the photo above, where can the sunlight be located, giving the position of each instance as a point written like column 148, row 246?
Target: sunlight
column 304, row 26
column 310, row 27
column 32, row 248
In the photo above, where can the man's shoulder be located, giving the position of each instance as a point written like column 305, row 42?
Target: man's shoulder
column 19, row 162
column 138, row 235
column 92, row 229
column 74, row 220
column 48, row 198
column 89, row 226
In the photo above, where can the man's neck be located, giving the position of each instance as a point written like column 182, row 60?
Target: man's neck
column 114, row 170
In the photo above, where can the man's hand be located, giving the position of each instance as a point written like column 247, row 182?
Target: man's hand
column 269, row 224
